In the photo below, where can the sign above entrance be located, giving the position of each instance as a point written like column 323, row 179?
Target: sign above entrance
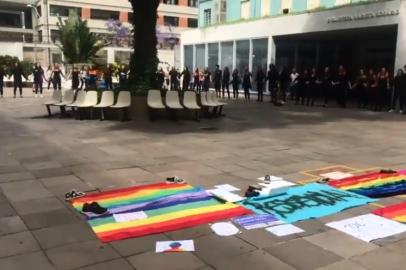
column 363, row 16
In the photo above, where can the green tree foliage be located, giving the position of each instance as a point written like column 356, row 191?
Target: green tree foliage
column 144, row 60
column 7, row 63
column 78, row 44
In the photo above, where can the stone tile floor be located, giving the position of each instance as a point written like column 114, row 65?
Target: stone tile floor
column 41, row 158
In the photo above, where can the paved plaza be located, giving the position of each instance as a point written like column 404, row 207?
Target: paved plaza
column 42, row 158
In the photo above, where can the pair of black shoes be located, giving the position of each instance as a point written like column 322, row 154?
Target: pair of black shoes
column 94, row 207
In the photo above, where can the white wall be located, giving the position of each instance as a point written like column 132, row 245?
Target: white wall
column 401, row 42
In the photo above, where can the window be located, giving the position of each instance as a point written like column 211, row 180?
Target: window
column 188, row 56
column 10, row 19
column 55, row 36
column 98, row 14
column 227, row 55
column 39, row 36
column 192, row 3
column 171, row 21
column 63, row 11
column 191, row 23
column 200, row 55
column 171, row 2
column 207, row 16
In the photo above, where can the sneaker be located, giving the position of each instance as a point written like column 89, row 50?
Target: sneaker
column 390, row 111
column 94, row 207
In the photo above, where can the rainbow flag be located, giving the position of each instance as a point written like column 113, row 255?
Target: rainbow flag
column 395, row 212
column 166, row 207
column 374, row 185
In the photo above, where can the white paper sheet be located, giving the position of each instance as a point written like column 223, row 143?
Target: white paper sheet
column 227, row 187
column 368, row 227
column 226, row 195
column 275, row 187
column 272, row 177
column 336, row 175
column 224, row 228
column 284, row 229
column 174, row 246
column 126, row 217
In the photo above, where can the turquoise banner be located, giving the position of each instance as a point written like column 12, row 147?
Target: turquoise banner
column 305, row 202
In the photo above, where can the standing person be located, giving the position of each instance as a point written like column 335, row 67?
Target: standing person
column 246, row 84
column 38, row 74
column 217, row 77
column 225, row 82
column 206, row 80
column 236, row 83
column 399, row 89
column 185, row 79
column 372, row 89
column 123, row 76
column 18, row 75
column 108, row 77
column 294, row 75
column 326, row 85
column 272, row 78
column 383, row 81
column 311, row 87
column 75, row 75
column 201, row 80
column 57, row 77
column 301, row 87
column 2, row 74
column 49, row 76
column 260, row 79
column 173, row 74
column 284, row 79
column 82, row 77
column 360, row 88
column 196, row 81
column 342, row 84
column 160, row 78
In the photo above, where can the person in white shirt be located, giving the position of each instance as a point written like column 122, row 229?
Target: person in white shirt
column 294, row 75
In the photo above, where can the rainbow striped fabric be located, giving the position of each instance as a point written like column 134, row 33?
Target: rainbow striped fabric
column 374, row 185
column 395, row 212
column 168, row 207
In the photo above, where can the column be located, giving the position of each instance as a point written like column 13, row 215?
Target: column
column 206, row 55
column 110, row 55
column 194, row 56
column 251, row 55
column 234, row 54
column 219, row 55
column 271, row 51
column 400, row 59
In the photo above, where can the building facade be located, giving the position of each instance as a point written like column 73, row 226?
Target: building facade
column 298, row 33
column 28, row 28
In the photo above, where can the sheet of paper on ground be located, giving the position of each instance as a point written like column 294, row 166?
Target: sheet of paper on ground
column 249, row 222
column 336, row 175
column 304, row 202
column 174, row 246
column 275, row 187
column 227, row 187
column 226, row 195
column 224, row 229
column 368, row 227
column 129, row 216
column 284, row 229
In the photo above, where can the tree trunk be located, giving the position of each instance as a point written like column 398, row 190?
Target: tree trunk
column 144, row 60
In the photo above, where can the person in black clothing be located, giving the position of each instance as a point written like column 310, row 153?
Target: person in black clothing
column 174, row 75
column 326, row 86
column 399, row 89
column 272, row 78
column 301, row 87
column 185, row 79
column 284, row 82
column 75, row 75
column 341, row 84
column 18, row 75
column 217, row 78
column 311, row 88
column 160, row 78
column 225, row 82
column 2, row 74
column 206, row 82
column 122, row 76
column 57, row 77
column 246, row 84
column 196, row 81
column 38, row 74
column 108, row 77
column 360, row 88
column 236, row 83
column 383, row 80
column 260, row 79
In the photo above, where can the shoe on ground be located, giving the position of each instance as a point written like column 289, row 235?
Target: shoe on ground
column 390, row 111
column 94, row 207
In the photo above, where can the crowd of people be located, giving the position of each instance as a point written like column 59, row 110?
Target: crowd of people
column 371, row 89
column 53, row 76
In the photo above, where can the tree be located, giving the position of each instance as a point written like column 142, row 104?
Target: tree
column 144, row 60
column 78, row 44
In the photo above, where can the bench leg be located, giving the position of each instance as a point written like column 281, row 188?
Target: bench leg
column 197, row 112
column 91, row 113
column 101, row 114
column 49, row 110
column 63, row 111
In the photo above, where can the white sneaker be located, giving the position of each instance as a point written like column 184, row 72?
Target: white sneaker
column 390, row 110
